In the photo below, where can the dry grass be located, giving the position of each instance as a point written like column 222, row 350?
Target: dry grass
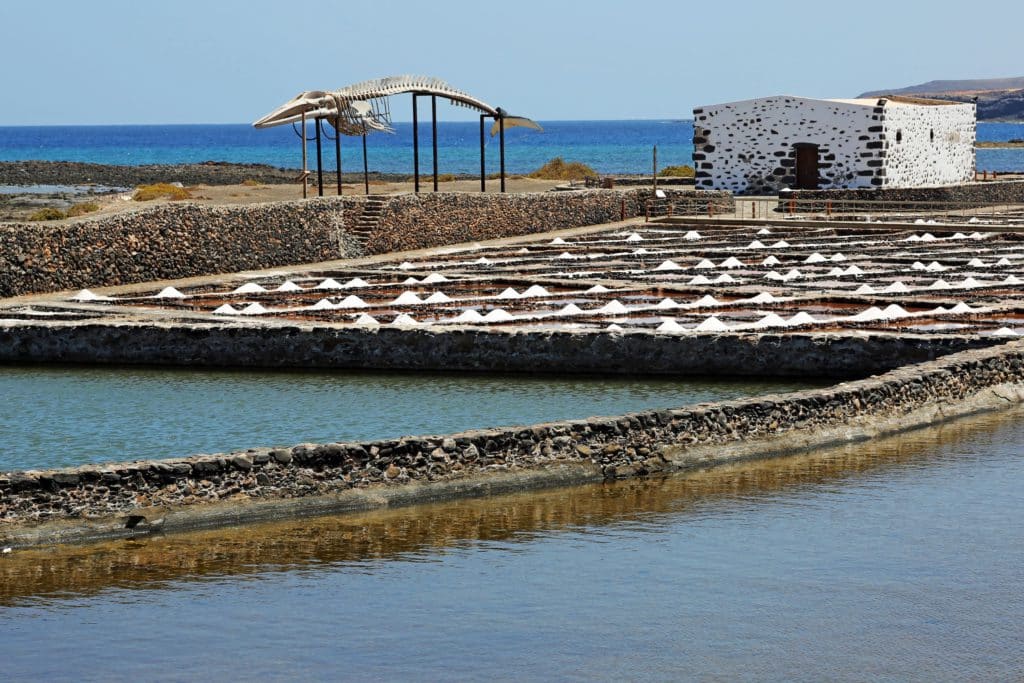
column 677, row 172
column 249, row 182
column 82, row 209
column 559, row 169
column 146, row 193
column 47, row 214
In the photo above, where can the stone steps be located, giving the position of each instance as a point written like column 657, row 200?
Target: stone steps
column 370, row 217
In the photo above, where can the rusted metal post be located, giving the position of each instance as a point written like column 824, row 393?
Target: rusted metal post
column 337, row 151
column 501, row 133
column 305, row 153
column 366, row 167
column 483, row 165
column 415, row 147
column 654, row 162
column 319, row 161
column 433, row 137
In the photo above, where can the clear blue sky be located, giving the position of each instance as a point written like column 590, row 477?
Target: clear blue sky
column 213, row 61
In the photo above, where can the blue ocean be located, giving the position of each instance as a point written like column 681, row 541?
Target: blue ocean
column 607, row 146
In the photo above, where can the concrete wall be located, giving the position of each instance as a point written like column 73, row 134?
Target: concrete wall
column 184, row 240
column 928, row 145
column 611, row 447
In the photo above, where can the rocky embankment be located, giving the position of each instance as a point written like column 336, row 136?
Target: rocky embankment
column 430, row 468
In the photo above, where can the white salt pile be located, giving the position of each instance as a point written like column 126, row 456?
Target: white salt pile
column 613, row 307
column 365, row 320
column 410, row 281
column 509, row 293
column 322, row 305
column 596, row 289
column 700, row 280
column 498, row 315
column 558, row 240
column 781, row 244
column 712, row 324
column 249, row 288
column 351, row 301
column 169, row 293
column 254, row 308
column 705, row 264
column 756, row 244
column 406, row 299
column 669, row 265
column 724, row 278
column 669, row 326
column 764, row 231
column 288, row 286
column 667, row 303
column 634, row 238
column 354, row 283
column 815, row 258
column 771, row 261
column 940, row 284
column 470, row 315
column 692, row 235
column 434, row 278
column 437, row 298
column 801, row 318
column 535, row 290
column 329, row 283
column 404, row 319
column 226, row 309
column 731, row 262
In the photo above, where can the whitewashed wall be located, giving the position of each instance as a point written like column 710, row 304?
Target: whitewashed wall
column 928, row 145
column 747, row 147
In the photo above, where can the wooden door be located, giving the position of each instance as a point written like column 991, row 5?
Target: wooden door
column 806, row 167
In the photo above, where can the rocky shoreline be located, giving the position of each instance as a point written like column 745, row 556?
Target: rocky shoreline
column 205, row 173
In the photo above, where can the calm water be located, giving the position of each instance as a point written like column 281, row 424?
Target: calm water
column 57, row 416
column 608, row 146
column 900, row 560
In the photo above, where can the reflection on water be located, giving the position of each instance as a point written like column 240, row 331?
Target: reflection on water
column 895, row 559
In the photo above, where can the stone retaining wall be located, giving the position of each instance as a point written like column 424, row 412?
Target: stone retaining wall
column 167, row 242
column 951, row 196
column 629, row 445
column 174, row 241
column 428, row 220
column 473, row 349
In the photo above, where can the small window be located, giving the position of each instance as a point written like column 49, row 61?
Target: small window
column 899, row 135
column 931, row 135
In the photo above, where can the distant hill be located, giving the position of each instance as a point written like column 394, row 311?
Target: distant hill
column 999, row 99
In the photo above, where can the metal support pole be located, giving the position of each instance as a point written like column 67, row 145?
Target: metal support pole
column 415, row 146
column 433, row 137
column 366, row 168
column 501, row 133
column 483, row 165
column 337, row 152
column 305, row 154
column 319, row 161
column 655, row 176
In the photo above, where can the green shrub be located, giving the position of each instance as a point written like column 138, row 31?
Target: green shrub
column 47, row 214
column 677, row 172
column 559, row 169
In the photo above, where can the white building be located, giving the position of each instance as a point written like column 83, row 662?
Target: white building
column 765, row 145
